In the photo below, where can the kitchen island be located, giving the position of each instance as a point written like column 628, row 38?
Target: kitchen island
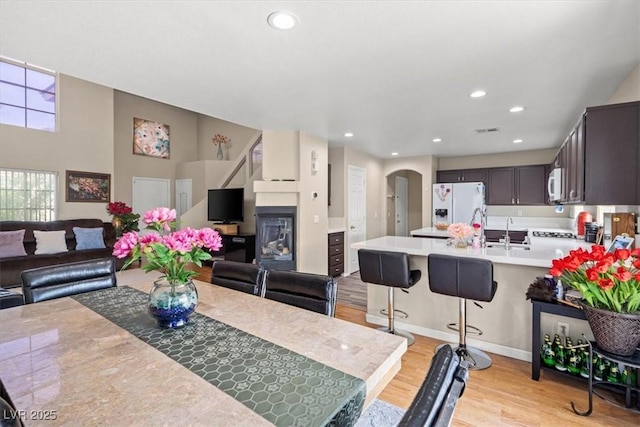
column 505, row 321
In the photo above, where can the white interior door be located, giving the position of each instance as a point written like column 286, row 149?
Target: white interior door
column 149, row 193
column 402, row 200
column 357, row 216
column 184, row 200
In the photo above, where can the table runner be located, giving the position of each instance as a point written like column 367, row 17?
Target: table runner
column 280, row 385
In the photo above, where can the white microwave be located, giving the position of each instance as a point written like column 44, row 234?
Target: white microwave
column 554, row 185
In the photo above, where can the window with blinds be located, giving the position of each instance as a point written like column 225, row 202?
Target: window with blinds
column 27, row 195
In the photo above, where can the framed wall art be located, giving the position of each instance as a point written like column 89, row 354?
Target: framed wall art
column 88, row 187
column 150, row 138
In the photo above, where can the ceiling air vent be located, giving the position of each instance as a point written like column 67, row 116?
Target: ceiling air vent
column 488, row 130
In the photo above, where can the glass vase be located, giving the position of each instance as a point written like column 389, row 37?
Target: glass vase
column 171, row 305
column 220, row 153
column 460, row 242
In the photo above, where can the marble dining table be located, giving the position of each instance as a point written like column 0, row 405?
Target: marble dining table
column 99, row 359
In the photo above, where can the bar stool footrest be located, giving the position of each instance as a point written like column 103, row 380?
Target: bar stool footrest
column 470, row 329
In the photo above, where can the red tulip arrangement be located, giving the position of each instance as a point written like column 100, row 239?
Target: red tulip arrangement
column 118, row 208
column 610, row 281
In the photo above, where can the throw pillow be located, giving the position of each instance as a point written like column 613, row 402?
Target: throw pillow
column 11, row 243
column 50, row 242
column 89, row 238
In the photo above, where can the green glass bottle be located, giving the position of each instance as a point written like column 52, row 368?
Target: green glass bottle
column 555, row 344
column 573, row 365
column 614, row 374
column 561, row 359
column 584, row 364
column 598, row 368
column 546, row 353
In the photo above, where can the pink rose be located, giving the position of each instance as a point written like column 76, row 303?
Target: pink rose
column 161, row 216
column 123, row 247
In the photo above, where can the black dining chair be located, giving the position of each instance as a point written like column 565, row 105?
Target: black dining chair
column 438, row 395
column 313, row 292
column 239, row 276
column 10, row 416
column 57, row 281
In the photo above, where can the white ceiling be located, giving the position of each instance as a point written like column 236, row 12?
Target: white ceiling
column 395, row 73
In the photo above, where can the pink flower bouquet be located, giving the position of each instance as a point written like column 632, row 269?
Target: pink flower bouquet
column 168, row 253
column 460, row 230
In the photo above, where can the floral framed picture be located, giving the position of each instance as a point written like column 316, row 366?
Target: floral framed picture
column 150, row 138
column 88, row 187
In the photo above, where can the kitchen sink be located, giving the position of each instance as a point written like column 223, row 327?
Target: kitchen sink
column 516, row 246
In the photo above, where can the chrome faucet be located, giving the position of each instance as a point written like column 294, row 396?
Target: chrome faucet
column 507, row 239
column 483, row 223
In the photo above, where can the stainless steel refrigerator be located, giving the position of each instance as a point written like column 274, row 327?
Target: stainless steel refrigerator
column 453, row 203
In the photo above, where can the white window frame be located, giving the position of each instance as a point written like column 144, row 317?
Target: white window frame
column 56, row 80
column 47, row 212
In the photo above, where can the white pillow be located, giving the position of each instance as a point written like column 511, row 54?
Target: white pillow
column 50, row 242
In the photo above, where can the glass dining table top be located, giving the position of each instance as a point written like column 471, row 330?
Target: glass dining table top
column 242, row 361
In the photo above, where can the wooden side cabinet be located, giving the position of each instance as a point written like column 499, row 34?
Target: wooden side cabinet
column 336, row 254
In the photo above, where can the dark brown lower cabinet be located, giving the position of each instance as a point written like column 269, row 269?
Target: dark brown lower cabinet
column 336, row 254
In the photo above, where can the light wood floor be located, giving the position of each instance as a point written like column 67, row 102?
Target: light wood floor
column 502, row 395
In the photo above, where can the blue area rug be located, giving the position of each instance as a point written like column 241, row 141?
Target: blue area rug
column 380, row 414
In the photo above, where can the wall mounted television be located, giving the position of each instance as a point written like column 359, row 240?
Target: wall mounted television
column 225, row 205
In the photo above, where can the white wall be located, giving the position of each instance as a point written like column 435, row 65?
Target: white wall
column 629, row 89
column 83, row 142
column 312, row 213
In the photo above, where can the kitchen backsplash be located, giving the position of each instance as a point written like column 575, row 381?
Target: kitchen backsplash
column 498, row 222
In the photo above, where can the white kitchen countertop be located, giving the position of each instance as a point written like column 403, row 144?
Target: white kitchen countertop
column 540, row 254
column 336, row 230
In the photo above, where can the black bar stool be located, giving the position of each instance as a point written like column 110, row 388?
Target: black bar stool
column 389, row 269
column 465, row 278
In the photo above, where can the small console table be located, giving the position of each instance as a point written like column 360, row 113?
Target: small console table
column 630, row 391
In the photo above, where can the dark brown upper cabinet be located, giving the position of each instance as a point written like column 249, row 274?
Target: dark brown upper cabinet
column 601, row 157
column 518, row 185
column 612, row 154
column 462, row 175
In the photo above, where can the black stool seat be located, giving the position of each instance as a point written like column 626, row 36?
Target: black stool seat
column 465, row 278
column 462, row 277
column 389, row 269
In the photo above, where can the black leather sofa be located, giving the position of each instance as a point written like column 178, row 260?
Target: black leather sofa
column 11, row 267
column 57, row 281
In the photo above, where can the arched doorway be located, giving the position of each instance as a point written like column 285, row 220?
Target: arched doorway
column 403, row 202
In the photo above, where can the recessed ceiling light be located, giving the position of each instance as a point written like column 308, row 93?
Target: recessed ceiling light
column 516, row 109
column 394, row 153
column 437, row 139
column 478, row 94
column 282, row 20
column 349, row 134
column 517, row 141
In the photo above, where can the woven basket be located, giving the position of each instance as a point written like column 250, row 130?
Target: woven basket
column 615, row 333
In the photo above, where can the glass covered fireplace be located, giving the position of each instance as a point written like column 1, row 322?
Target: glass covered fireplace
column 276, row 237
